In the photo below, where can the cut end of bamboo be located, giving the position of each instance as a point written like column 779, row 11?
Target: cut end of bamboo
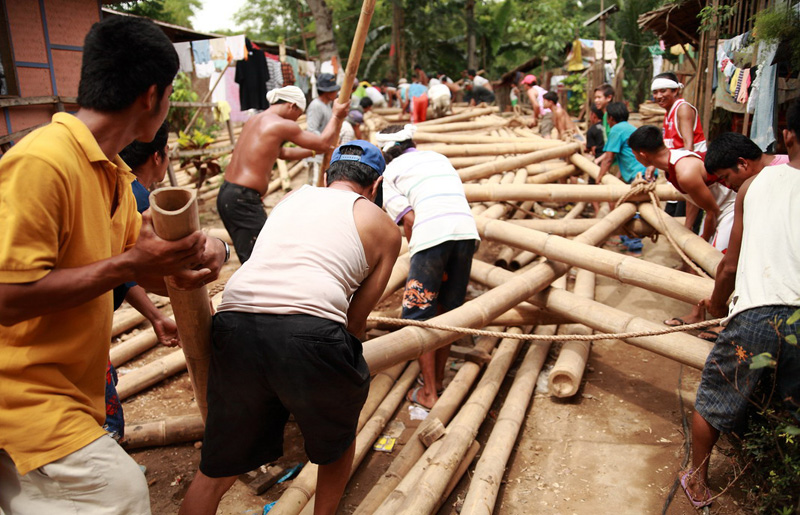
column 172, row 200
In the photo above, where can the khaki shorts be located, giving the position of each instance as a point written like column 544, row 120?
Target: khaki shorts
column 546, row 125
column 100, row 479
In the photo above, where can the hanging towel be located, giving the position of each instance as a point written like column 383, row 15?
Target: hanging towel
column 184, row 55
column 236, row 47
column 202, row 51
column 219, row 49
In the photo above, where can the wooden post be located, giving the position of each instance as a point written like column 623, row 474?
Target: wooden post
column 175, row 216
column 205, row 99
column 354, row 59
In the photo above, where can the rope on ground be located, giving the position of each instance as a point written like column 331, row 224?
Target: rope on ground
column 640, row 186
column 541, row 337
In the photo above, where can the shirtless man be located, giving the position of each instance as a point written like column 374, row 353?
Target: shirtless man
column 686, row 171
column 287, row 335
column 259, row 146
column 561, row 119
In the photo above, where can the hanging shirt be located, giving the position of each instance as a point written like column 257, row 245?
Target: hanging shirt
column 252, row 75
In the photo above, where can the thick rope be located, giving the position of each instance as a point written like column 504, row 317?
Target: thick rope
column 550, row 338
column 638, row 187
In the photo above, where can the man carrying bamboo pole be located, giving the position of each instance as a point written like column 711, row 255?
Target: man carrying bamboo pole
column 259, row 146
column 286, row 335
column 423, row 192
column 70, row 233
column 761, row 270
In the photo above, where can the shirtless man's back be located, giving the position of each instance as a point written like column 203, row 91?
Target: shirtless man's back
column 259, row 146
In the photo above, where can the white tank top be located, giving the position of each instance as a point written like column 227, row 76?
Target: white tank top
column 308, row 259
column 768, row 272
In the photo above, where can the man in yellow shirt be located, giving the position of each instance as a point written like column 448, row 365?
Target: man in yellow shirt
column 69, row 236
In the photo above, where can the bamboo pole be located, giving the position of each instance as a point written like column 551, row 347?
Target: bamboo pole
column 488, row 149
column 572, row 227
column 126, row 321
column 137, row 380
column 458, row 126
column 410, row 342
column 461, row 469
column 132, row 347
column 565, row 377
column 165, row 431
column 175, row 216
column 560, row 192
column 629, row 270
column 413, row 450
column 588, row 166
column 353, row 61
column 488, row 475
column 371, row 429
column 398, row 277
column 681, row 347
column 464, row 162
column 510, row 163
column 553, row 175
column 466, row 115
column 698, row 249
column 504, row 257
column 378, row 389
column 521, row 259
column 460, row 139
column 426, row 492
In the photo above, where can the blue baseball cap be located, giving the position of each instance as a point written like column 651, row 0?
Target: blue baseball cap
column 370, row 155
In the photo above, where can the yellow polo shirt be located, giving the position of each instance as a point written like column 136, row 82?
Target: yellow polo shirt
column 56, row 192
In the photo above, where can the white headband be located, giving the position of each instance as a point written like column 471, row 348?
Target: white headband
column 390, row 140
column 663, row 83
column 291, row 94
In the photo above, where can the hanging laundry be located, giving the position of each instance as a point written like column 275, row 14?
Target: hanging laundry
column 236, row 47
column 219, row 49
column 203, row 70
column 288, row 74
column 202, row 51
column 275, row 80
column 184, row 51
column 252, row 75
column 742, row 95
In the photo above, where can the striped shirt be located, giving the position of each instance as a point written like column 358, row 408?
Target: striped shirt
column 426, row 182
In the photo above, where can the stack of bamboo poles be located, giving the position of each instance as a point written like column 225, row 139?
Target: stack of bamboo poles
column 510, row 178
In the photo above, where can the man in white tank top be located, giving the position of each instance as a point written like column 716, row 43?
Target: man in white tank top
column 286, row 335
column 762, row 271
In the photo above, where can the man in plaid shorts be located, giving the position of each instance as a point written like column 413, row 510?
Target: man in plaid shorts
column 762, row 271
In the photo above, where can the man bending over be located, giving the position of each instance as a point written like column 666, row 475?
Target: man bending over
column 286, row 335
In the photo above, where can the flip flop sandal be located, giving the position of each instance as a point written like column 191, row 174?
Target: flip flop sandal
column 707, row 493
column 709, row 335
column 421, row 382
column 413, row 396
column 678, row 321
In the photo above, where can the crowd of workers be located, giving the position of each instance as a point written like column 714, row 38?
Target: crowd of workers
column 287, row 335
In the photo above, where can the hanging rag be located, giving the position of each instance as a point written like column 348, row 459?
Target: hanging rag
column 184, row 51
column 202, row 51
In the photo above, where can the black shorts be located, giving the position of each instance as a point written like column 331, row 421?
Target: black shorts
column 264, row 367
column 437, row 279
column 243, row 215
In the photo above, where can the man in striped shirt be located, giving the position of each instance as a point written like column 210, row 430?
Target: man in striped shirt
column 423, row 193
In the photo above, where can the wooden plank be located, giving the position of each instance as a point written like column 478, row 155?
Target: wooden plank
column 32, row 101
column 192, row 104
column 16, row 136
column 264, row 481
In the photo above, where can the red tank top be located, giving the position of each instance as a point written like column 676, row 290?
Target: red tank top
column 672, row 138
column 677, row 155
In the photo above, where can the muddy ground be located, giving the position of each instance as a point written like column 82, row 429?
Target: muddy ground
column 616, row 447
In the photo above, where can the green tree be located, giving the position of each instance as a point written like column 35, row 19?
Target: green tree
column 177, row 12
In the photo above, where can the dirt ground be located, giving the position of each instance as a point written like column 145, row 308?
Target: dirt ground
column 616, row 447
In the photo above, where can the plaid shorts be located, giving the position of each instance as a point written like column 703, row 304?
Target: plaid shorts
column 728, row 384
